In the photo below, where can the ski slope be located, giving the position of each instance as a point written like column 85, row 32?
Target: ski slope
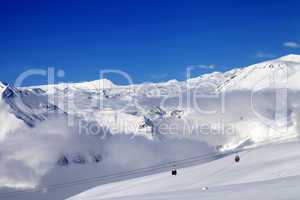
column 268, row 172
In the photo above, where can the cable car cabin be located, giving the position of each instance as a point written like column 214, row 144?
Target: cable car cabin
column 174, row 172
column 237, row 158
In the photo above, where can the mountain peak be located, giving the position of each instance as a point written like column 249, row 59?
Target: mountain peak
column 100, row 83
column 290, row 58
column 104, row 83
column 2, row 88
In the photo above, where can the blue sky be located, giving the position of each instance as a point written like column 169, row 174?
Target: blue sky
column 153, row 40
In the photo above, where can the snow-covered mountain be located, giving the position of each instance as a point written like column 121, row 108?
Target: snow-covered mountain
column 27, row 105
column 269, row 74
column 129, row 109
column 108, row 127
column 35, row 137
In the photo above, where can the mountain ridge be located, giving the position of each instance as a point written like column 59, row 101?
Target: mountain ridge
column 108, row 84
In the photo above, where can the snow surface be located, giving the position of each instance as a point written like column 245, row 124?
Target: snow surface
column 270, row 172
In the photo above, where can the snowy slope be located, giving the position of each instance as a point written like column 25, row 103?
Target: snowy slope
column 270, row 172
column 281, row 189
column 269, row 74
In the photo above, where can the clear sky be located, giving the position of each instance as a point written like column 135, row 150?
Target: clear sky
column 151, row 40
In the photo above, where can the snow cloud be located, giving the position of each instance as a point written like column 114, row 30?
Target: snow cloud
column 292, row 45
column 27, row 154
